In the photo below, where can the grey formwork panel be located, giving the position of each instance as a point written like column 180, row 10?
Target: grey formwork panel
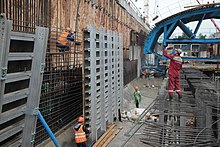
column 121, row 70
column 5, row 31
column 11, row 97
column 93, row 82
column 110, row 114
column 33, row 100
column 101, row 66
column 102, row 76
column 115, row 56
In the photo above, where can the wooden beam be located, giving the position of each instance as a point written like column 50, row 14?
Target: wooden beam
column 101, row 139
column 202, row 5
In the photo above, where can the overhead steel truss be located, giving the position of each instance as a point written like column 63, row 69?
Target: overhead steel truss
column 168, row 25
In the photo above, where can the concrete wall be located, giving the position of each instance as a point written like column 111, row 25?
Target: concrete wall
column 107, row 13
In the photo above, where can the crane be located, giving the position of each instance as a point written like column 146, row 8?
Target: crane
column 212, row 20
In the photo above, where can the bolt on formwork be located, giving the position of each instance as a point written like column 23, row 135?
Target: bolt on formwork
column 193, row 121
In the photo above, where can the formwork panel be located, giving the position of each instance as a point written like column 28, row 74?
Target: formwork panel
column 19, row 68
column 102, row 92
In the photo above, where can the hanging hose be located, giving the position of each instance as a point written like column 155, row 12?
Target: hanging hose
column 47, row 128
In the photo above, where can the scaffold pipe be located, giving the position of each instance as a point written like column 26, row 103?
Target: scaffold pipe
column 47, row 128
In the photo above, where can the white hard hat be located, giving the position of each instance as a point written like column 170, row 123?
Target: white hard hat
column 179, row 51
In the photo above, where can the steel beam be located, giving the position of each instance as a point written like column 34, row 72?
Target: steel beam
column 185, row 41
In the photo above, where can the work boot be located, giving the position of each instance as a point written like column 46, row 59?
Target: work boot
column 180, row 98
column 170, row 98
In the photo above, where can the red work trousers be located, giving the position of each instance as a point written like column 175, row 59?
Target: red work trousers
column 174, row 84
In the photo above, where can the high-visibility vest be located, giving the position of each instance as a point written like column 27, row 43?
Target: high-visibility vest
column 80, row 135
column 62, row 39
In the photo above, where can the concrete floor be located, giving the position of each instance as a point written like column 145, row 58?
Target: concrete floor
column 148, row 92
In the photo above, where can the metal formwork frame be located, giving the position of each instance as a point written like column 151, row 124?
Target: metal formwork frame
column 92, row 59
column 102, row 76
column 110, row 114
column 104, row 67
column 19, row 105
column 5, row 32
column 36, row 78
column 120, row 73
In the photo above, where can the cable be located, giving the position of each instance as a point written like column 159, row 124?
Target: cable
column 204, row 129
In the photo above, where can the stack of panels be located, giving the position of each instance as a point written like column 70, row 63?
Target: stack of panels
column 103, row 78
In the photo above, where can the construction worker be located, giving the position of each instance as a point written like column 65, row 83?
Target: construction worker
column 137, row 96
column 81, row 133
column 63, row 43
column 174, row 73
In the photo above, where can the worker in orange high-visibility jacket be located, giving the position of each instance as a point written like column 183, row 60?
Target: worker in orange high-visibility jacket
column 174, row 73
column 63, row 43
column 81, row 133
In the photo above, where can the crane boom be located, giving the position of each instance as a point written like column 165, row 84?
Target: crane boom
column 215, row 25
column 212, row 20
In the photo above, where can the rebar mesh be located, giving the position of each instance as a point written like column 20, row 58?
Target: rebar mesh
column 193, row 121
column 61, row 92
column 26, row 14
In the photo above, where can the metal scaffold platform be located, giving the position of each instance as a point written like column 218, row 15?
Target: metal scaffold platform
column 193, row 121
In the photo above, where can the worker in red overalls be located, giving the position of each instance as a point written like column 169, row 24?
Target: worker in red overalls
column 174, row 73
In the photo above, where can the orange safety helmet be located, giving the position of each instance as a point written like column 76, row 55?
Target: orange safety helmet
column 136, row 88
column 80, row 120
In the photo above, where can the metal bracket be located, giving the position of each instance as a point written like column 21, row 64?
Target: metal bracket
column 30, row 111
column 42, row 68
column 3, row 73
column 33, row 137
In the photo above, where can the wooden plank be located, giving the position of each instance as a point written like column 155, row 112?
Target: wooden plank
column 104, row 135
column 202, row 5
column 106, row 138
column 110, row 138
